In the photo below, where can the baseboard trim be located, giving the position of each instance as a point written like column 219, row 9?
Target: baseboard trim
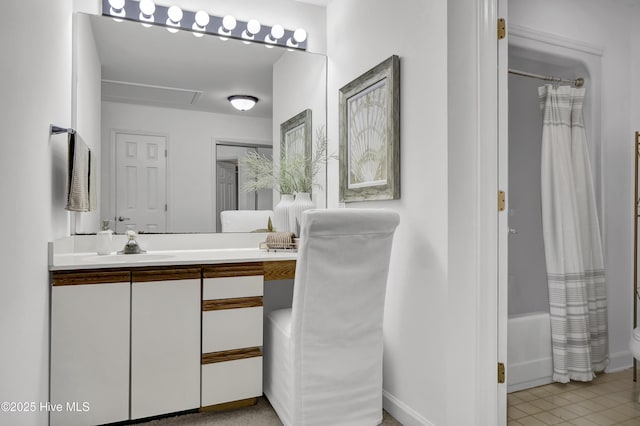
column 402, row 412
column 619, row 361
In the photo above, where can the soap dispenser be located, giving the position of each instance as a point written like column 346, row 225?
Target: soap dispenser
column 103, row 239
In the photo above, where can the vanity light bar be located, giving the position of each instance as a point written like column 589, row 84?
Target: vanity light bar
column 130, row 10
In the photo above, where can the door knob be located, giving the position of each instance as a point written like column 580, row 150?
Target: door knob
column 122, row 219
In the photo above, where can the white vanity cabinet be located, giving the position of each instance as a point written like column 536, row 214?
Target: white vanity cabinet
column 165, row 341
column 232, row 312
column 90, row 347
column 135, row 342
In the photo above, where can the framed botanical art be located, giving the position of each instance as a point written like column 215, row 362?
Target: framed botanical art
column 370, row 134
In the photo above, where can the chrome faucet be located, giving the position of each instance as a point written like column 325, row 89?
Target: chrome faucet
column 131, row 247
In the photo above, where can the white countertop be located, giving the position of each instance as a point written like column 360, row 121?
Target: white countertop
column 73, row 253
column 91, row 260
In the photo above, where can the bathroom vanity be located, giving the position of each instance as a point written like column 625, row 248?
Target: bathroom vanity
column 137, row 336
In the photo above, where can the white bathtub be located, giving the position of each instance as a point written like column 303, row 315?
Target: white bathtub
column 529, row 361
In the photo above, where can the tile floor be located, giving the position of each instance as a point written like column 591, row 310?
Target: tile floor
column 610, row 399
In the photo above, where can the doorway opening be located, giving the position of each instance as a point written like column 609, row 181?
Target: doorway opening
column 230, row 177
column 526, row 314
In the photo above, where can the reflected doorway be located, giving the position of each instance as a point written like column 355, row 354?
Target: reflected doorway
column 230, row 179
column 140, row 183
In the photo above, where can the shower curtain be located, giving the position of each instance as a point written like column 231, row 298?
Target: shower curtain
column 573, row 249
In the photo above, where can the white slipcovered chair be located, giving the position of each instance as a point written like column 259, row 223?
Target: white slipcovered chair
column 323, row 356
column 244, row 220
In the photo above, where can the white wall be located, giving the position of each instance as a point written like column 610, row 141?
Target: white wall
column 299, row 83
column 359, row 36
column 527, row 269
column 190, row 166
column 608, row 24
column 86, row 88
column 36, row 92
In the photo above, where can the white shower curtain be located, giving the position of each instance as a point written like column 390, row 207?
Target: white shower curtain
column 573, row 249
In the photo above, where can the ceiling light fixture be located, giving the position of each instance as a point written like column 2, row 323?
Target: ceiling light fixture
column 242, row 102
column 201, row 22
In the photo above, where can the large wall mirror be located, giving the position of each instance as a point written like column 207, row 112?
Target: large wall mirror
column 154, row 105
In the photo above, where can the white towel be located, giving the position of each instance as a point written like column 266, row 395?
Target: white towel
column 79, row 172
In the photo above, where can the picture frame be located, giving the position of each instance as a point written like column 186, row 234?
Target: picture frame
column 296, row 139
column 369, row 130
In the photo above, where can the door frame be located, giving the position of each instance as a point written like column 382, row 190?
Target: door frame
column 111, row 169
column 215, row 141
column 489, row 395
column 503, row 216
column 590, row 56
column 218, row 209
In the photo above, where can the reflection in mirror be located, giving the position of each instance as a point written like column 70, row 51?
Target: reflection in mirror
column 231, row 179
column 295, row 142
column 172, row 89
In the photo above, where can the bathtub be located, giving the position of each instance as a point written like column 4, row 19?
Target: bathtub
column 529, row 361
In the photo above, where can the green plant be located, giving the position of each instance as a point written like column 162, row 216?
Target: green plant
column 289, row 175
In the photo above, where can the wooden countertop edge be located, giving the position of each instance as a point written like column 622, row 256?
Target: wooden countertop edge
column 271, row 270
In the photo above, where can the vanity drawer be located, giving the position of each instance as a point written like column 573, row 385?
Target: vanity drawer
column 231, row 380
column 231, row 329
column 230, row 287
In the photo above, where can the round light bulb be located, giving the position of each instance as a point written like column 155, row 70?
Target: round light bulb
column 147, row 7
column 229, row 22
column 253, row 26
column 277, row 32
column 116, row 4
column 175, row 14
column 299, row 35
column 202, row 18
column 117, row 12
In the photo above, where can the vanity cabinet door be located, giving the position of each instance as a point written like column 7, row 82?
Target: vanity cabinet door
column 165, row 341
column 90, row 347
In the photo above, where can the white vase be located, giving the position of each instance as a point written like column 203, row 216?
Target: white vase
column 301, row 203
column 281, row 213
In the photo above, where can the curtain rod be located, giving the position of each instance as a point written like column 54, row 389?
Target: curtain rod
column 578, row 82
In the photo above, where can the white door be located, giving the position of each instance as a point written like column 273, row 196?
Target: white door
column 503, row 230
column 226, row 189
column 141, row 186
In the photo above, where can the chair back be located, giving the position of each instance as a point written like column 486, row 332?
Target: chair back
column 337, row 312
column 245, row 220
